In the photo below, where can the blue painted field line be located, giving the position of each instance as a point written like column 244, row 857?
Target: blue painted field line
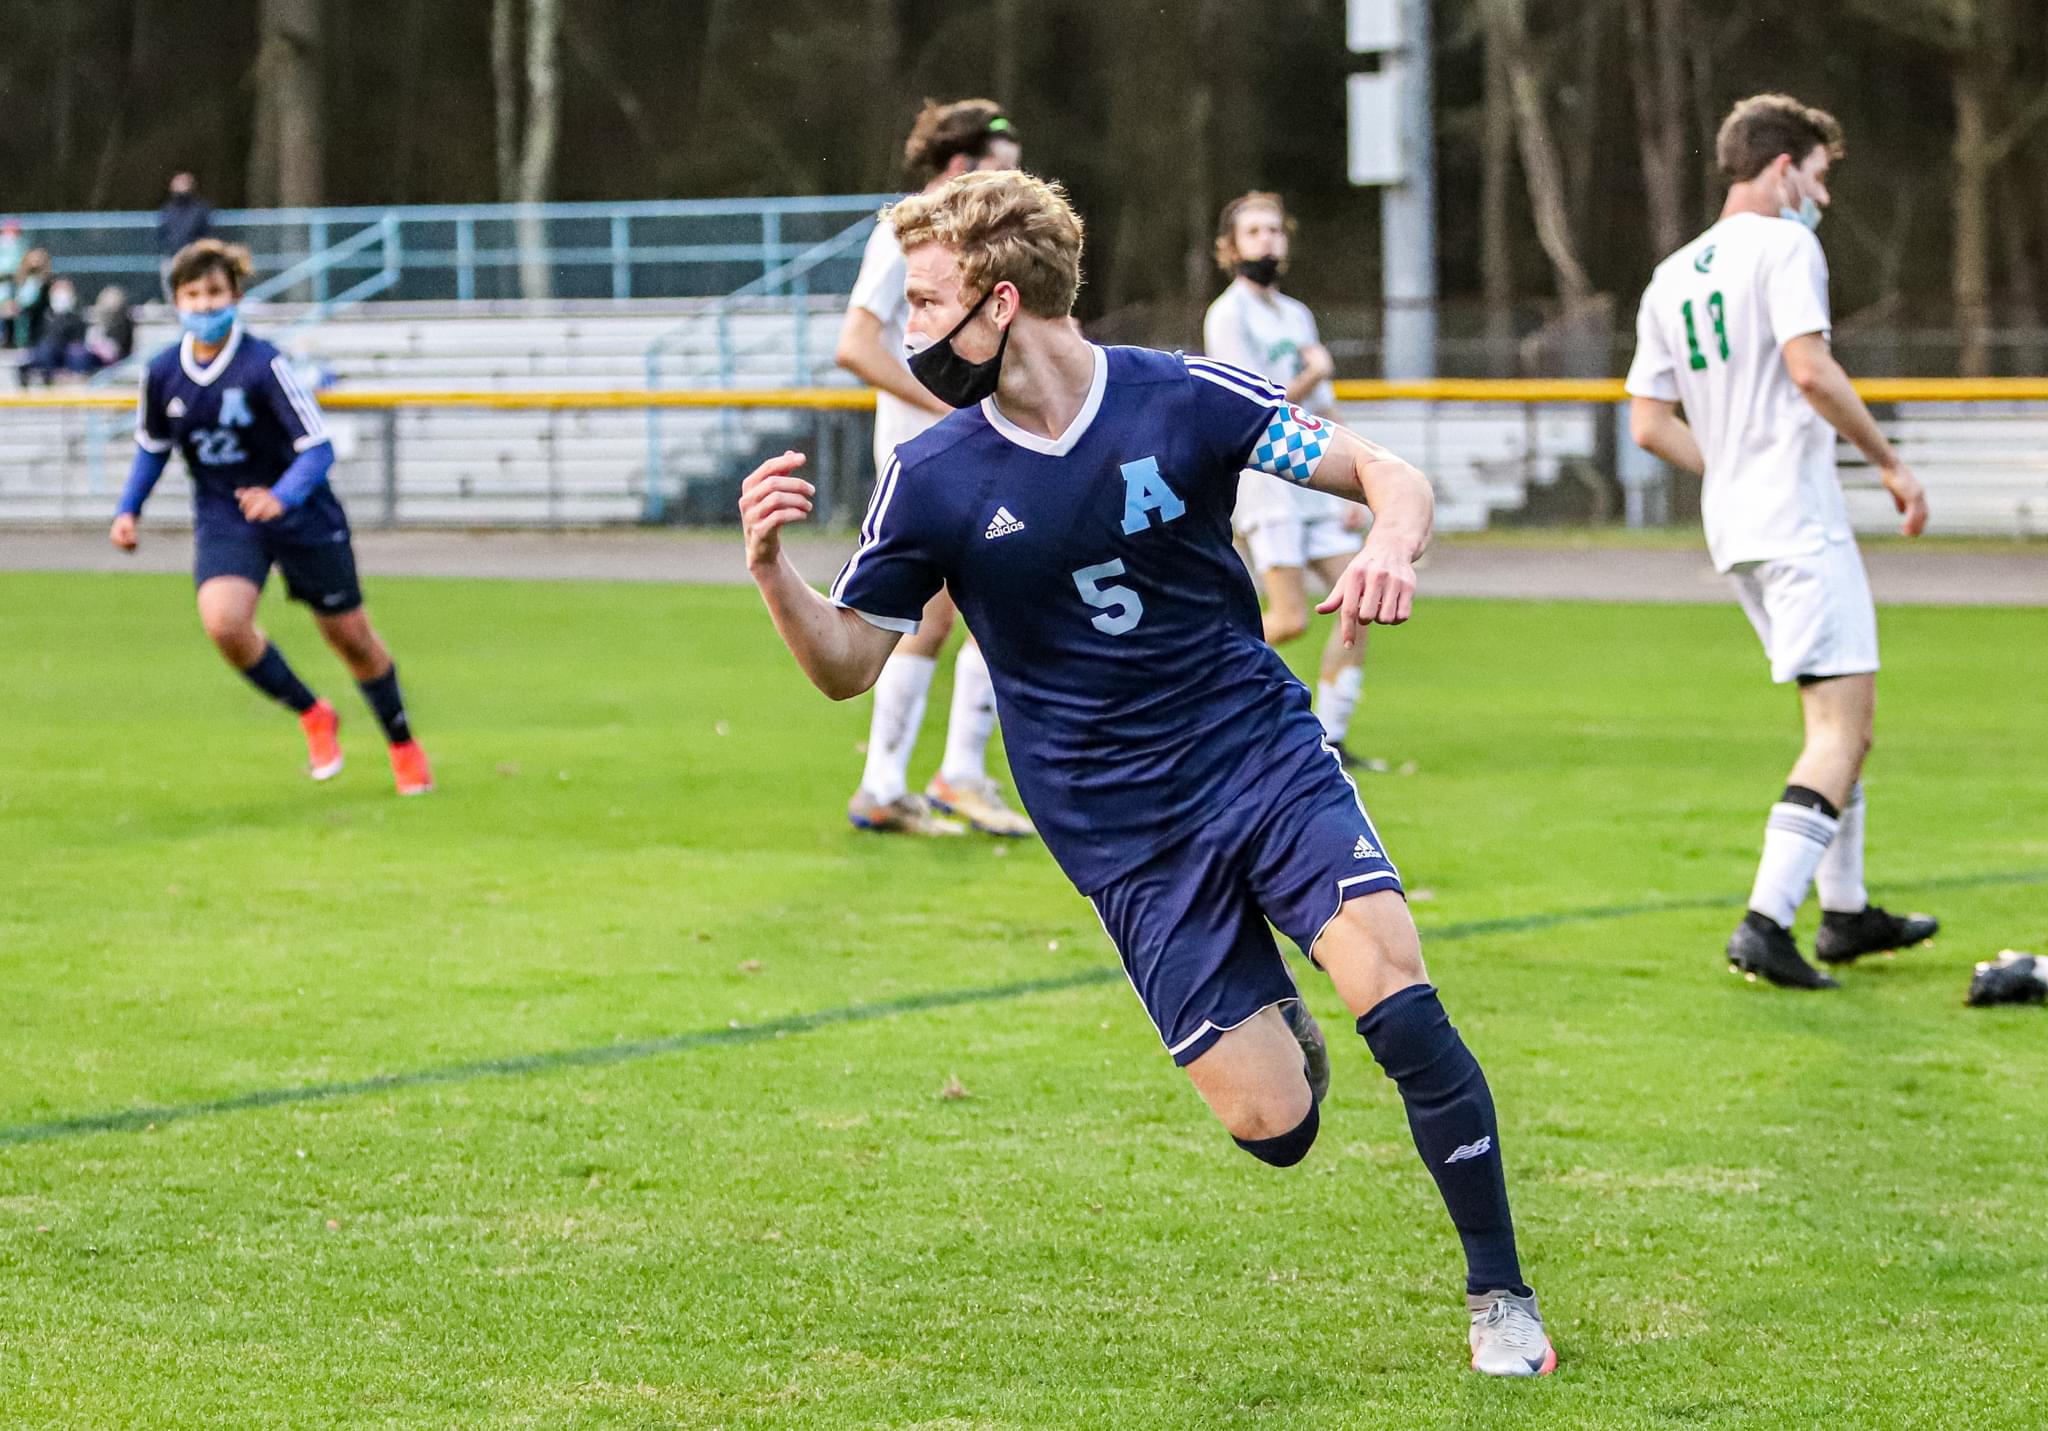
column 129, row 1120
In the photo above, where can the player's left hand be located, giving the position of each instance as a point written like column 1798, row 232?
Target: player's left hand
column 1378, row 586
column 259, row 504
column 1909, row 496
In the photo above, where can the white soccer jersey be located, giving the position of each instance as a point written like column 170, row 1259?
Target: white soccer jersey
column 1266, row 332
column 1710, row 335
column 879, row 289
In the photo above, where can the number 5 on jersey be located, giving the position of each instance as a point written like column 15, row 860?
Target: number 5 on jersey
column 1692, row 334
column 1122, row 608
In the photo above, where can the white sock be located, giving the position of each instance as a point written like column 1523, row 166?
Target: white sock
column 1840, row 877
column 972, row 720
column 1795, row 838
column 1336, row 700
column 892, row 731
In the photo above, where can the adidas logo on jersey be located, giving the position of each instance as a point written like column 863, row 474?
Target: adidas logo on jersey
column 1468, row 1151
column 1002, row 524
column 176, row 408
column 1364, row 850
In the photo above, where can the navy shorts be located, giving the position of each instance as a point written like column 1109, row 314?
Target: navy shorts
column 1190, row 923
column 310, row 547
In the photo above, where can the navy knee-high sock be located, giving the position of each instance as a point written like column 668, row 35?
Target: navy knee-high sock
column 385, row 700
column 273, row 676
column 1450, row 1113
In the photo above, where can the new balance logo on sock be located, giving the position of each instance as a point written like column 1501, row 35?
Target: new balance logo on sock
column 1472, row 1150
column 1002, row 524
column 1364, row 850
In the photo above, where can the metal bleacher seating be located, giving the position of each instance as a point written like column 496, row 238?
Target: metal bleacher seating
column 476, row 465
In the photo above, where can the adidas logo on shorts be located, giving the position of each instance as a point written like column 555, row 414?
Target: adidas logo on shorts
column 1364, row 850
column 1002, row 524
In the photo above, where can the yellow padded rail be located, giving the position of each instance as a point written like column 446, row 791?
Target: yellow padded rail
column 1448, row 390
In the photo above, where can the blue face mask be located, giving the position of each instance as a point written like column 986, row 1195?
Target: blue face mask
column 1807, row 213
column 209, row 327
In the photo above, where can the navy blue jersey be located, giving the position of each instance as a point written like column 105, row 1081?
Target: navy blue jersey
column 239, row 420
column 1121, row 629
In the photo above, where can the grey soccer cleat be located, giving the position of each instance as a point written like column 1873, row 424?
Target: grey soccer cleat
column 1870, row 930
column 2011, row 978
column 1760, row 947
column 1315, row 1052
column 907, row 814
column 1508, row 1337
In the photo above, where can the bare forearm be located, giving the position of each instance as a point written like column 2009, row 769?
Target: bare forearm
column 841, row 653
column 1675, row 442
column 1834, row 397
column 1403, row 505
column 1399, row 497
column 1316, row 369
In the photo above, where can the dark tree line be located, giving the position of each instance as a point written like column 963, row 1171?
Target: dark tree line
column 1574, row 135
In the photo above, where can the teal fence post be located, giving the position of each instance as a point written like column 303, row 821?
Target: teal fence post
column 465, row 258
column 316, row 242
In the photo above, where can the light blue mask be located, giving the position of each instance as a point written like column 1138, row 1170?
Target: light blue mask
column 209, row 327
column 1807, row 213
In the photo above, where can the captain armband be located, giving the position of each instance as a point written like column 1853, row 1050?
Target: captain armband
column 1293, row 444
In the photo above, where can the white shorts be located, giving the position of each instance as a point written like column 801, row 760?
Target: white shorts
column 1813, row 613
column 1288, row 526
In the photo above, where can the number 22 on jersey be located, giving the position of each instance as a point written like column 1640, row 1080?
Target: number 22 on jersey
column 1692, row 332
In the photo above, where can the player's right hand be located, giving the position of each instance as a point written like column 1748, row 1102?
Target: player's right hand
column 1909, row 496
column 122, row 533
column 771, row 498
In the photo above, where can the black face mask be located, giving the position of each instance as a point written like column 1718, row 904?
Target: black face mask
column 1261, row 271
column 951, row 378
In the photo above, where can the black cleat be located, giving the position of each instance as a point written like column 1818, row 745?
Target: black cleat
column 2011, row 978
column 1315, row 1052
column 1870, row 930
column 1759, row 947
column 1371, row 764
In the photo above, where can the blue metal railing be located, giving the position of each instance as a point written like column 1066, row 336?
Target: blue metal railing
column 680, row 248
column 787, row 284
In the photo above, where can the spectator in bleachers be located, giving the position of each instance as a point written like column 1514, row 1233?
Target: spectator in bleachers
column 184, row 218
column 110, row 337
column 64, row 328
column 31, row 297
column 13, row 249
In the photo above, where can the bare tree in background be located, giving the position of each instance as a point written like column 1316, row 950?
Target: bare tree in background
column 528, row 124
column 1496, row 173
column 285, row 157
column 1979, row 38
column 1507, row 37
column 1656, row 54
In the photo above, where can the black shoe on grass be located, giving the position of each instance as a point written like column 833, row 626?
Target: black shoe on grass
column 1761, row 947
column 1315, row 1053
column 1870, row 930
column 2011, row 978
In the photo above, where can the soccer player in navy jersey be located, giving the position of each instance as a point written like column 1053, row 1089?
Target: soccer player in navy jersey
column 1077, row 505
column 258, row 455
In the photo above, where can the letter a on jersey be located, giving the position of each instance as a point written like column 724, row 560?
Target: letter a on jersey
column 234, row 408
column 1146, row 492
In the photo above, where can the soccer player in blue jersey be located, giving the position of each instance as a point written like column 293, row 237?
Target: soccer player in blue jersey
column 1077, row 505
column 258, row 455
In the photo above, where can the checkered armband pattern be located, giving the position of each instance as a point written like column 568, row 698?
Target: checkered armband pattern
column 1294, row 443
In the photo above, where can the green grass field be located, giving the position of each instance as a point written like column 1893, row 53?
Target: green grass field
column 606, row 1087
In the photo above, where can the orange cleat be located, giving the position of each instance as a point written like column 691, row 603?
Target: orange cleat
column 323, row 746
column 409, row 769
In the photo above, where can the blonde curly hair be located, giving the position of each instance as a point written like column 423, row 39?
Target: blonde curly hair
column 1002, row 226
